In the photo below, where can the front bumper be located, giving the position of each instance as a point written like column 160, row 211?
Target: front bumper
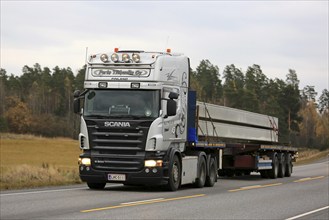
column 147, row 176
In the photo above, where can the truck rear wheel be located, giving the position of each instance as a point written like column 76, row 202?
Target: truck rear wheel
column 212, row 175
column 273, row 173
column 202, row 170
column 288, row 165
column 282, row 165
column 98, row 186
column 174, row 174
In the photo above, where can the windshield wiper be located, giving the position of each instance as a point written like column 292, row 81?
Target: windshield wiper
column 98, row 116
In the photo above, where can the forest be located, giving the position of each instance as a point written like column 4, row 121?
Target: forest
column 39, row 101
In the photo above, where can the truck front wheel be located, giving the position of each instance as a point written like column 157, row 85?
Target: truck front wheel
column 93, row 185
column 174, row 174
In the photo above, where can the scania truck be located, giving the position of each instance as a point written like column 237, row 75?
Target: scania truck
column 142, row 125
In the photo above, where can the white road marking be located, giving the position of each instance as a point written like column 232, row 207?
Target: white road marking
column 308, row 213
column 47, row 191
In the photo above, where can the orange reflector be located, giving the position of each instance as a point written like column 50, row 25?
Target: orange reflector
column 116, row 50
column 168, row 50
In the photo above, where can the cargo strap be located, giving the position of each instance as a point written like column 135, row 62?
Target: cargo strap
column 274, row 126
column 211, row 121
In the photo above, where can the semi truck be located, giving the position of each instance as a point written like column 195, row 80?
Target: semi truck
column 142, row 125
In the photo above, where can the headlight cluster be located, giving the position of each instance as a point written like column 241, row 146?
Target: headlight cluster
column 125, row 58
column 84, row 161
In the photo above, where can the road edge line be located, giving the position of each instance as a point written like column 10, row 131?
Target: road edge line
column 307, row 213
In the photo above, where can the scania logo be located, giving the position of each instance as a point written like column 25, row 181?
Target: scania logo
column 116, row 124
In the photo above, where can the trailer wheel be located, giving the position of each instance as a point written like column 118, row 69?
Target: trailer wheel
column 174, row 174
column 282, row 165
column 212, row 176
column 98, row 186
column 273, row 173
column 288, row 165
column 202, row 170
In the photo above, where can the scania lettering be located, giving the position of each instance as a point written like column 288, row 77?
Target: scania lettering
column 141, row 125
column 116, row 124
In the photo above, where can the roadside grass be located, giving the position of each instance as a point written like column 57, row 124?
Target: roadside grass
column 28, row 161
column 306, row 155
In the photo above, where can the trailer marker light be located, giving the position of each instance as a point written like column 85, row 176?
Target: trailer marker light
column 116, row 50
column 104, row 58
column 168, row 50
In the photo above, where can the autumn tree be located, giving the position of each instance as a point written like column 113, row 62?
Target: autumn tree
column 18, row 115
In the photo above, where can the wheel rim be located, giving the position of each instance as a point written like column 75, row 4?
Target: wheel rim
column 175, row 172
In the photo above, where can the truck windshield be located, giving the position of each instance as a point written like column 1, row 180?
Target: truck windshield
column 122, row 103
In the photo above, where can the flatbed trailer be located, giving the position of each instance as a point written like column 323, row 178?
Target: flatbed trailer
column 244, row 141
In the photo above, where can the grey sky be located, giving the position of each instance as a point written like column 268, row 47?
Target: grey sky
column 277, row 35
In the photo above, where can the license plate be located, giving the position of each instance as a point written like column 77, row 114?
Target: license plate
column 116, row 177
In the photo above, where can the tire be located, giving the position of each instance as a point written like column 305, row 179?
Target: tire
column 212, row 175
column 97, row 186
column 288, row 165
column 282, row 165
column 174, row 174
column 273, row 173
column 202, row 171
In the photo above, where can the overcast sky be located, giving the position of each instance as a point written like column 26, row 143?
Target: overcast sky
column 277, row 35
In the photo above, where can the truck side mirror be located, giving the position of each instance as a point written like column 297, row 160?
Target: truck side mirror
column 173, row 95
column 76, row 105
column 171, row 107
column 76, row 94
column 76, row 101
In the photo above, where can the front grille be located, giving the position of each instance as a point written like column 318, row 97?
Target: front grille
column 117, row 148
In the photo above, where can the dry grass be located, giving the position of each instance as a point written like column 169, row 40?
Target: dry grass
column 29, row 161
column 309, row 155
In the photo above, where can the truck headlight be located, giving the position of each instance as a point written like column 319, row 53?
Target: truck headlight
column 136, row 58
column 125, row 58
column 153, row 163
column 85, row 161
column 115, row 57
column 104, row 58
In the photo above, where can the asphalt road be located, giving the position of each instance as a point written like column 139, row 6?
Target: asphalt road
column 302, row 196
